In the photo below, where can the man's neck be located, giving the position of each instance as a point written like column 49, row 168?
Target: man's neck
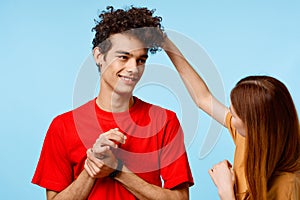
column 114, row 102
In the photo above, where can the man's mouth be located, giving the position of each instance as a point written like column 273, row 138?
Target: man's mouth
column 127, row 78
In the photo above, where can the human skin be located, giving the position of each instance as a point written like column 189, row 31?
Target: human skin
column 121, row 68
column 203, row 98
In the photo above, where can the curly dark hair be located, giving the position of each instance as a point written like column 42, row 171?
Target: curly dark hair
column 138, row 22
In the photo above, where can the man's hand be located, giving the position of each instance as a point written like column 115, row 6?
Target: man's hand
column 100, row 168
column 110, row 139
column 100, row 160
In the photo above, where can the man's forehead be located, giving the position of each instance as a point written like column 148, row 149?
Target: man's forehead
column 127, row 44
column 126, row 41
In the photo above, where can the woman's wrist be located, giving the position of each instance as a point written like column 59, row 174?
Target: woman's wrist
column 226, row 194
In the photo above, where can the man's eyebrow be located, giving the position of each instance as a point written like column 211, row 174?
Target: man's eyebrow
column 129, row 54
column 144, row 56
column 123, row 52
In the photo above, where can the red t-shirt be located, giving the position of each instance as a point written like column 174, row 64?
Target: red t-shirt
column 154, row 148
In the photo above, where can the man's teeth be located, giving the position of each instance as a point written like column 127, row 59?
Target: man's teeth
column 127, row 79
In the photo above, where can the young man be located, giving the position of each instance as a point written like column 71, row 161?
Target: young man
column 117, row 146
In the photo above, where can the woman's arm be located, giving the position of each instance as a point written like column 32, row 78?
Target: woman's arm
column 195, row 84
column 223, row 177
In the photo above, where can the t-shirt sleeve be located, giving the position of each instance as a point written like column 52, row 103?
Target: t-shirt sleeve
column 174, row 161
column 54, row 171
column 231, row 129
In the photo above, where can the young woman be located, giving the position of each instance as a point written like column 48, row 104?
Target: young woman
column 263, row 122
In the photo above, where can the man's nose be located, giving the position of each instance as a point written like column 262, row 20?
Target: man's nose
column 131, row 65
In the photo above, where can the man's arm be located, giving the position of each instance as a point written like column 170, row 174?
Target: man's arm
column 136, row 185
column 82, row 186
column 143, row 190
column 133, row 183
column 78, row 190
column 195, row 84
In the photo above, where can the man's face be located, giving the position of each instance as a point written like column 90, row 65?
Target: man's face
column 123, row 65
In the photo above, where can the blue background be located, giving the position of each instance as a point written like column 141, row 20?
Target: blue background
column 44, row 43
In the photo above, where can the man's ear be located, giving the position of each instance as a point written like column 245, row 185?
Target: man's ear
column 98, row 56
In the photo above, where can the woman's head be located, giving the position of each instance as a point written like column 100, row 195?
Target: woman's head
column 266, row 107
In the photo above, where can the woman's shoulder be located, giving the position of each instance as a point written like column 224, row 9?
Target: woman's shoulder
column 285, row 185
column 285, row 177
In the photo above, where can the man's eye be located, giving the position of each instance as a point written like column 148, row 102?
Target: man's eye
column 141, row 62
column 122, row 57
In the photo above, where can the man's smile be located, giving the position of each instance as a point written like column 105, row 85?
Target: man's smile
column 128, row 78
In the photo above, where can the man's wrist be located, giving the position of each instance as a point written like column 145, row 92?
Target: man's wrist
column 117, row 170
